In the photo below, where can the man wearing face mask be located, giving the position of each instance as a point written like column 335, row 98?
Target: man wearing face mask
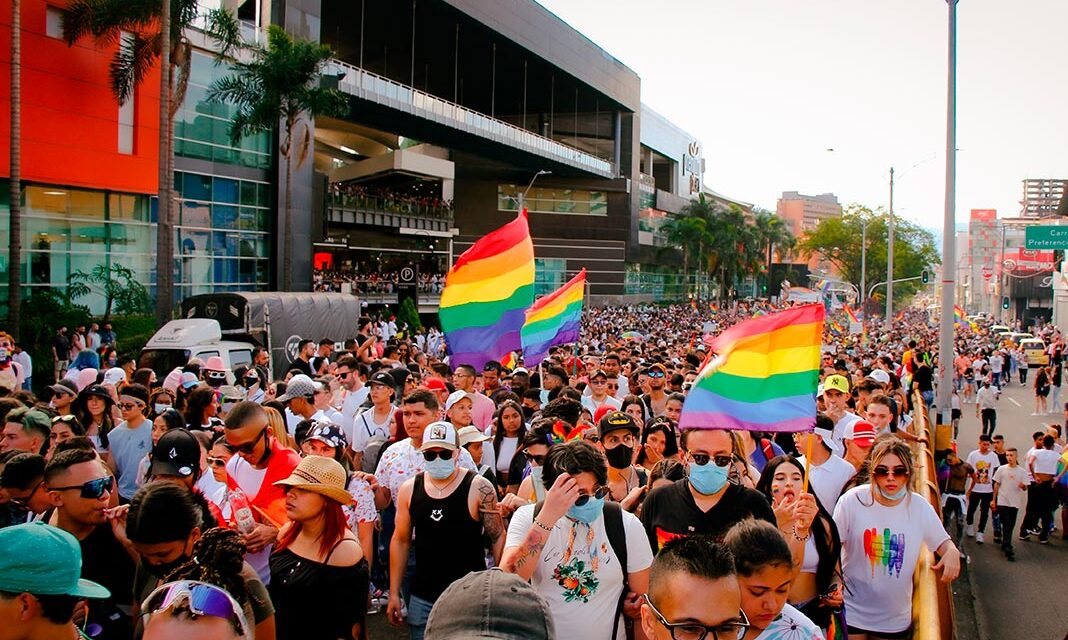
column 588, row 558
column 443, row 503
column 618, row 438
column 705, row 502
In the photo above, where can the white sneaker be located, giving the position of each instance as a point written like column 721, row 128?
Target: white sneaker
column 970, row 531
column 979, row 538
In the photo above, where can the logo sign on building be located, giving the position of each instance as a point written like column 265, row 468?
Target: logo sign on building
column 691, row 166
column 1046, row 237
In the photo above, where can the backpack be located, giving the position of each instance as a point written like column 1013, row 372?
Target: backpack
column 372, row 449
column 617, row 538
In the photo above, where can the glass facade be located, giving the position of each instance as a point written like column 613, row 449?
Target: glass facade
column 549, row 275
column 553, row 200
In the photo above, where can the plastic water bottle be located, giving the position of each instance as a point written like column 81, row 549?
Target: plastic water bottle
column 242, row 511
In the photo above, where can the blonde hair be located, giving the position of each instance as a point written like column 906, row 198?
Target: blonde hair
column 892, row 446
column 277, row 423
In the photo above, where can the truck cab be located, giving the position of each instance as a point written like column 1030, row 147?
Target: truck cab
column 179, row 340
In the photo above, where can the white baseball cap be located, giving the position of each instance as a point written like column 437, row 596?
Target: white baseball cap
column 439, row 435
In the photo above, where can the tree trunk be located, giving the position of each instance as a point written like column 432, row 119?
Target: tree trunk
column 14, row 262
column 287, row 238
column 164, row 233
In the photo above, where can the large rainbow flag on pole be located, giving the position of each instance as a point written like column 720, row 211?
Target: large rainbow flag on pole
column 553, row 319
column 486, row 295
column 763, row 375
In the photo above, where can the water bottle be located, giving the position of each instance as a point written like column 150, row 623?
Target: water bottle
column 239, row 507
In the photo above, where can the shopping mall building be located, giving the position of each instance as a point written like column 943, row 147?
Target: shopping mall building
column 460, row 109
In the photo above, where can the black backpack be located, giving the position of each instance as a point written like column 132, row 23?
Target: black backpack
column 617, row 537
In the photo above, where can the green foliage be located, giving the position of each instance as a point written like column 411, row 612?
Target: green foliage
column 838, row 240
column 409, row 314
column 117, row 284
column 43, row 314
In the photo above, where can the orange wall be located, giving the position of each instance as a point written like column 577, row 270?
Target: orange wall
column 69, row 115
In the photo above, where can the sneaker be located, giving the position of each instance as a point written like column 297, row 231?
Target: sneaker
column 1026, row 535
column 1011, row 557
column 970, row 531
column 979, row 538
column 1043, row 540
column 997, row 538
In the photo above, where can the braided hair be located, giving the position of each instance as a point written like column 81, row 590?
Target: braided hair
column 218, row 557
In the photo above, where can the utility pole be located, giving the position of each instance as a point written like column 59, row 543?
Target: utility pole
column 945, row 346
column 890, row 256
column 863, row 262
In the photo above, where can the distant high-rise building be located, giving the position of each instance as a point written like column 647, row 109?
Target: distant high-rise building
column 1042, row 196
column 804, row 213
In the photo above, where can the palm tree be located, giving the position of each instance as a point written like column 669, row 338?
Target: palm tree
column 772, row 232
column 14, row 262
column 732, row 247
column 280, row 83
column 148, row 30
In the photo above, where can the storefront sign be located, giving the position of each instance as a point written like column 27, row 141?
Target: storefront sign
column 691, row 166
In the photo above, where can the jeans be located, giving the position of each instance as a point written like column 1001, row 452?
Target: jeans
column 995, row 379
column 982, row 502
column 1054, row 394
column 1039, row 513
column 928, row 398
column 1023, row 375
column 1007, row 515
column 418, row 613
column 990, row 419
column 953, row 514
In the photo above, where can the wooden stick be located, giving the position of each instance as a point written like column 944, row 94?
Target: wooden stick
column 808, row 460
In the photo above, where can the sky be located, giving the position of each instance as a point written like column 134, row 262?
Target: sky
column 771, row 86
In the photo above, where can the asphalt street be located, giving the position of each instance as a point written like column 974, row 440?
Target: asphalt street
column 997, row 599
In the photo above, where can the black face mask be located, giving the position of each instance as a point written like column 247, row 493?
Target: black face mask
column 620, row 456
column 161, row 571
column 528, row 413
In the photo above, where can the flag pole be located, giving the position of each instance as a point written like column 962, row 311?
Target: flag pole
column 808, row 460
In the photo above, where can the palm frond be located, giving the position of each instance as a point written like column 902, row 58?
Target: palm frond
column 225, row 30
column 134, row 59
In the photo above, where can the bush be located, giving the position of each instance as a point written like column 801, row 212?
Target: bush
column 409, row 314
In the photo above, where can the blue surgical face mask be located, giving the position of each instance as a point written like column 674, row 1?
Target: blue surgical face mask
column 588, row 512
column 535, row 475
column 160, row 408
column 708, row 478
column 439, row 468
column 893, row 496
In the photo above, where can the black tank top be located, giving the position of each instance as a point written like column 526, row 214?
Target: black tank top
column 448, row 543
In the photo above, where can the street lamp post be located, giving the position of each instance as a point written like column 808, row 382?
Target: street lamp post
column 945, row 347
column 863, row 261
column 890, row 256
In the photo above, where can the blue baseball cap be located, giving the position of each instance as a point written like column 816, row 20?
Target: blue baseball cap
column 45, row 561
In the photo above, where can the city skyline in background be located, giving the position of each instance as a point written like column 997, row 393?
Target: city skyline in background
column 782, row 94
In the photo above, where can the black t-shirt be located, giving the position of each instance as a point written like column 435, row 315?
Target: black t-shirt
column 302, row 365
column 62, row 346
column 670, row 512
column 106, row 562
column 923, row 378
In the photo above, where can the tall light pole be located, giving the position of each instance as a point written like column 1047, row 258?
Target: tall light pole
column 945, row 343
column 890, row 256
column 863, row 262
column 523, row 196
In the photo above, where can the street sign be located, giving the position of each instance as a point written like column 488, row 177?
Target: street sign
column 988, row 272
column 1046, row 237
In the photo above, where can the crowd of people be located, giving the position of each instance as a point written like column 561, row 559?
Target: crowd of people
column 368, row 281
column 553, row 501
column 359, row 196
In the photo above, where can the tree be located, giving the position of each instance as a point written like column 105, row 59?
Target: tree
column 14, row 257
column 838, row 240
column 408, row 315
column 771, row 232
column 147, row 31
column 118, row 285
column 734, row 249
column 279, row 83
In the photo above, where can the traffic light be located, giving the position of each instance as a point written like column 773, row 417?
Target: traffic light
column 1005, row 302
column 925, row 277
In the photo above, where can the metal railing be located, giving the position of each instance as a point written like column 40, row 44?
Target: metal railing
column 386, row 204
column 932, row 599
column 375, row 88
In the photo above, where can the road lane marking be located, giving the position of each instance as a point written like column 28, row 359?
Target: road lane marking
column 1013, row 400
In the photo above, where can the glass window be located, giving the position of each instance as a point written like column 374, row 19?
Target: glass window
column 54, row 22
column 248, row 193
column 87, row 204
column 195, row 214
column 224, row 216
column 47, row 200
column 196, row 187
column 551, row 200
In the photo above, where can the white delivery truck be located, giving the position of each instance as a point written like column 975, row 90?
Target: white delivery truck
column 231, row 325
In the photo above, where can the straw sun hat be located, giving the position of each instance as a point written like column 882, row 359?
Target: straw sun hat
column 324, row 476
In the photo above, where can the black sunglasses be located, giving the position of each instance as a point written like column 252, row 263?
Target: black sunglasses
column 24, row 502
column 430, row 456
column 92, row 490
column 248, row 447
column 599, row 492
column 536, row 459
column 701, row 459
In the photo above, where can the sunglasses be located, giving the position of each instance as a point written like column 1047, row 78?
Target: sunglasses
column 701, row 459
column 216, row 462
column 882, row 472
column 92, row 490
column 200, row 599
column 24, row 502
column 431, row 456
column 66, row 418
column 599, row 493
column 248, row 447
column 126, row 406
column 656, row 374
column 535, row 458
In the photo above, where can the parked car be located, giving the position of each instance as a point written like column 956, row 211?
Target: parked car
column 1035, row 352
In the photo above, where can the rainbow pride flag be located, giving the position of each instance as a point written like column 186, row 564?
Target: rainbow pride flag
column 763, row 376
column 486, row 295
column 837, row 328
column 553, row 319
column 958, row 314
column 852, row 315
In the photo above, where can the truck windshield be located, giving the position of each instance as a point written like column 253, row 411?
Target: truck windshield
column 163, row 361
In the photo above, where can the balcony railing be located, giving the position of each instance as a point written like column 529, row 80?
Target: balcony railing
column 388, row 211
column 375, row 88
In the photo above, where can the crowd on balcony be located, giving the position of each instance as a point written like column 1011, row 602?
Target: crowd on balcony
column 362, row 197
column 375, row 282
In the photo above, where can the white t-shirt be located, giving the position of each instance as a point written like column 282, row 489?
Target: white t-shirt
column 1046, row 461
column 582, row 581
column 1009, row 492
column 292, row 419
column 792, row 624
column 249, row 479
column 364, row 428
column 507, row 452
column 353, row 400
column 996, row 363
column 592, row 405
column 828, row 479
column 984, row 466
column 880, row 549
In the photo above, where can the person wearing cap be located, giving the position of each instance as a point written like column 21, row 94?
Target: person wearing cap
column 587, row 557
column 260, row 461
column 858, row 440
column 490, row 605
column 655, row 401
column 40, row 583
column 482, row 407
column 299, row 399
column 520, row 381
column 318, row 565
column 94, row 410
column 599, row 396
column 26, row 430
column 131, row 439
column 81, row 489
column 22, row 480
column 618, row 436
column 836, row 392
column 64, row 393
column 214, row 372
column 438, row 386
column 828, row 472
column 443, row 503
column 473, row 441
column 458, row 409
column 373, row 427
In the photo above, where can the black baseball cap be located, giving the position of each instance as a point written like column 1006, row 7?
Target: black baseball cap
column 383, row 378
column 614, row 420
column 177, row 453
